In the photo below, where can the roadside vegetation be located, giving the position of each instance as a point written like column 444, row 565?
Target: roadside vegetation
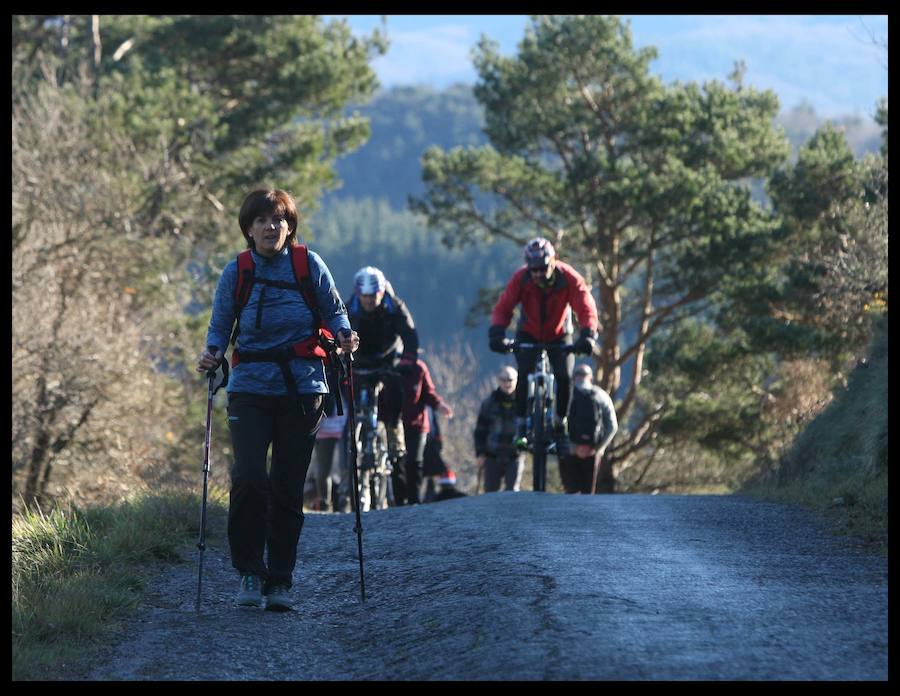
column 78, row 571
column 838, row 465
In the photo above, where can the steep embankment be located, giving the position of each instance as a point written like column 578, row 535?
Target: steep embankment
column 838, row 464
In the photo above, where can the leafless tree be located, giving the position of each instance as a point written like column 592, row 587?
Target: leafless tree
column 90, row 410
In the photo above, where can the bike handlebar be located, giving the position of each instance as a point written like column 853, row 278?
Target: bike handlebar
column 517, row 346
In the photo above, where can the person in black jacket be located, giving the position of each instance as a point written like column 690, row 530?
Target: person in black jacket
column 384, row 324
column 592, row 426
column 496, row 455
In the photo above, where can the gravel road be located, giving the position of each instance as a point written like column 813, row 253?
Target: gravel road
column 533, row 586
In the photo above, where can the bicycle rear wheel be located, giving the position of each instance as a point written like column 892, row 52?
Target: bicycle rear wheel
column 539, row 448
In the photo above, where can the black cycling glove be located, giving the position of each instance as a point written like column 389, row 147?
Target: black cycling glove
column 586, row 343
column 499, row 343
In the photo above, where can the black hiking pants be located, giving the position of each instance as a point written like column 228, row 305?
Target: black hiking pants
column 407, row 474
column 577, row 474
column 504, row 470
column 265, row 508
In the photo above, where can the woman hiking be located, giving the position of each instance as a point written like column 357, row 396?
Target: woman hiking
column 282, row 297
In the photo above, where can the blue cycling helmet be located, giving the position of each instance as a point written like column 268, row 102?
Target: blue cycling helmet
column 539, row 253
column 369, row 281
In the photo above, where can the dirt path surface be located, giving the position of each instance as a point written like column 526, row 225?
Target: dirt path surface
column 538, row 587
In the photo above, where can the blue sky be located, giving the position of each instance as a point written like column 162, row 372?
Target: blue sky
column 836, row 63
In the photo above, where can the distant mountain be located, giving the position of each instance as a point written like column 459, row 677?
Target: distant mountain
column 863, row 134
column 405, row 121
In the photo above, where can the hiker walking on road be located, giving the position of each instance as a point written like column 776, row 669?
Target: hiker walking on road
column 495, row 431
column 281, row 298
column 592, row 426
column 419, row 393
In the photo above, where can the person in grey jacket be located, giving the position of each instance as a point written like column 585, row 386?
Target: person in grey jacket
column 592, row 426
column 496, row 455
column 273, row 400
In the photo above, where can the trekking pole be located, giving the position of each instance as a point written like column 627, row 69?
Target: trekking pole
column 351, row 420
column 211, row 390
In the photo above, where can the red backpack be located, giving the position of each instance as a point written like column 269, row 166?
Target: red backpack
column 311, row 347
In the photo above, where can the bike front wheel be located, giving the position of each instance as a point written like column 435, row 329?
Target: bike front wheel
column 382, row 491
column 539, row 448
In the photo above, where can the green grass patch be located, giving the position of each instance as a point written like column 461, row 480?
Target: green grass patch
column 838, row 464
column 77, row 572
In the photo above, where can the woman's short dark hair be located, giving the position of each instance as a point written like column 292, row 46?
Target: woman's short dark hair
column 268, row 202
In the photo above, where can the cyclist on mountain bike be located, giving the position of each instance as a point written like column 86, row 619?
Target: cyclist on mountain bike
column 548, row 290
column 382, row 321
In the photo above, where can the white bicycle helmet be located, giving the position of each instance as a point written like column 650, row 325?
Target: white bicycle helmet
column 369, row 281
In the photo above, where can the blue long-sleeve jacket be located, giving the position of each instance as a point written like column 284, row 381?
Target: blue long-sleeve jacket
column 275, row 317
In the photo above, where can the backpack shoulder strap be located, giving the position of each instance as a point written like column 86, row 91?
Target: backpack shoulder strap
column 245, row 272
column 245, row 269
column 300, row 262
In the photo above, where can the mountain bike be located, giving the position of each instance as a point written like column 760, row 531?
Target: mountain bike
column 541, row 407
column 376, row 489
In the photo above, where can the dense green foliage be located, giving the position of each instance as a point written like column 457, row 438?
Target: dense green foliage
column 237, row 99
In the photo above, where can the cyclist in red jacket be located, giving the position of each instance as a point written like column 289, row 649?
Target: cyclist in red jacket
column 548, row 290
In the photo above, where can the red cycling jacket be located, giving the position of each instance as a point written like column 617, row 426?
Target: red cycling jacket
column 545, row 314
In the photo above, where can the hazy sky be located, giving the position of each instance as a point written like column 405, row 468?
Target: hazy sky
column 836, row 63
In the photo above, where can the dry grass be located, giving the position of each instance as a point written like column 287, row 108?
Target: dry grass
column 77, row 571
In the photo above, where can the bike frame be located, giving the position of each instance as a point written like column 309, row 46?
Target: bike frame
column 541, row 405
column 376, row 469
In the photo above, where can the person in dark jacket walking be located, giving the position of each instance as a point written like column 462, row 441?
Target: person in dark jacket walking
column 497, row 458
column 275, row 392
column 419, row 393
column 592, row 426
